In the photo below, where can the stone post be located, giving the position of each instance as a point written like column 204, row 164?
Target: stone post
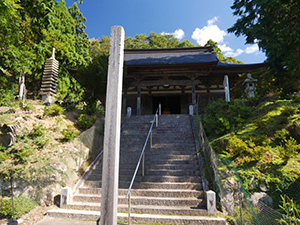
column 111, row 149
column 138, row 101
column 211, row 202
column 226, row 88
column 65, row 196
column 191, row 110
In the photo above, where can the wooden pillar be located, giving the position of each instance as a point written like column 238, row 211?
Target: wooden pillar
column 138, row 101
column 111, row 152
column 208, row 94
column 193, row 93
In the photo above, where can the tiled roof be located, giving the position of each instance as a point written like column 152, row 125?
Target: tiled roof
column 184, row 56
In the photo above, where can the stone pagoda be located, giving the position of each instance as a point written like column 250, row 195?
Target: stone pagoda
column 49, row 80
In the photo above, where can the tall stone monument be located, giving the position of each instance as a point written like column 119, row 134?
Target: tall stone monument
column 49, row 80
column 111, row 145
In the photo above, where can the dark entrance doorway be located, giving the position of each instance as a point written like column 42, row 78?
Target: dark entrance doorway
column 169, row 104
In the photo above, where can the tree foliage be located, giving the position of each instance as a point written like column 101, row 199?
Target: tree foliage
column 220, row 55
column 274, row 25
column 141, row 41
column 29, row 31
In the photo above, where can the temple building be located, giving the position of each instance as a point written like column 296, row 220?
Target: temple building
column 177, row 78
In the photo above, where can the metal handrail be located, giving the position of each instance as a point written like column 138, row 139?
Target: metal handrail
column 142, row 158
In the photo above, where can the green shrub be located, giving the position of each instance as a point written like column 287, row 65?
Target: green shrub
column 289, row 111
column 291, row 148
column 71, row 107
column 222, row 117
column 6, row 97
column 291, row 210
column 54, row 110
column 37, row 131
column 41, row 141
column 85, row 122
column 22, row 206
column 280, row 136
column 38, row 135
column 27, row 107
column 94, row 107
column 69, row 134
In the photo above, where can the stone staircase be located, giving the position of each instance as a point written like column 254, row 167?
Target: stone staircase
column 169, row 193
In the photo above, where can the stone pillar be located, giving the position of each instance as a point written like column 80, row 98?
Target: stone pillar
column 226, row 88
column 191, row 110
column 138, row 101
column 211, row 202
column 65, row 196
column 111, row 145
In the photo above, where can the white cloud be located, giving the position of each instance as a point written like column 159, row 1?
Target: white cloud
column 252, row 49
column 212, row 21
column 234, row 53
column 211, row 31
column 225, row 48
column 179, row 34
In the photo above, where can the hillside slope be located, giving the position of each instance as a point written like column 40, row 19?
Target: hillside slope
column 263, row 142
column 46, row 154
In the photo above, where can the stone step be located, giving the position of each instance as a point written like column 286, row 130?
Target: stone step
column 170, row 161
column 149, row 209
column 152, row 172
column 171, row 166
column 155, row 157
column 168, row 157
column 151, row 178
column 164, row 172
column 175, row 146
column 147, row 192
column 150, row 185
column 131, row 167
column 144, row 200
column 140, row 218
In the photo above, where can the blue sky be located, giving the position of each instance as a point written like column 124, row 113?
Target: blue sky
column 193, row 20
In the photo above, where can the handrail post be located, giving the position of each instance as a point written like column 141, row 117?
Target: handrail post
column 151, row 139
column 129, row 208
column 143, row 166
column 159, row 109
column 156, row 118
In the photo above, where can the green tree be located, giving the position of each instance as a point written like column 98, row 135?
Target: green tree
column 274, row 25
column 142, row 41
column 93, row 76
column 29, row 31
column 220, row 55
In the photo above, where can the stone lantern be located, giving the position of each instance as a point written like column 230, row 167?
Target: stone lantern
column 250, row 85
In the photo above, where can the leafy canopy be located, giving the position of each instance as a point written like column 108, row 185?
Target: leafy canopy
column 274, row 25
column 29, row 31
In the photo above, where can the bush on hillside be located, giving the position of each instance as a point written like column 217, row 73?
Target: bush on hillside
column 54, row 110
column 222, row 117
column 22, row 206
column 85, row 121
column 69, row 134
